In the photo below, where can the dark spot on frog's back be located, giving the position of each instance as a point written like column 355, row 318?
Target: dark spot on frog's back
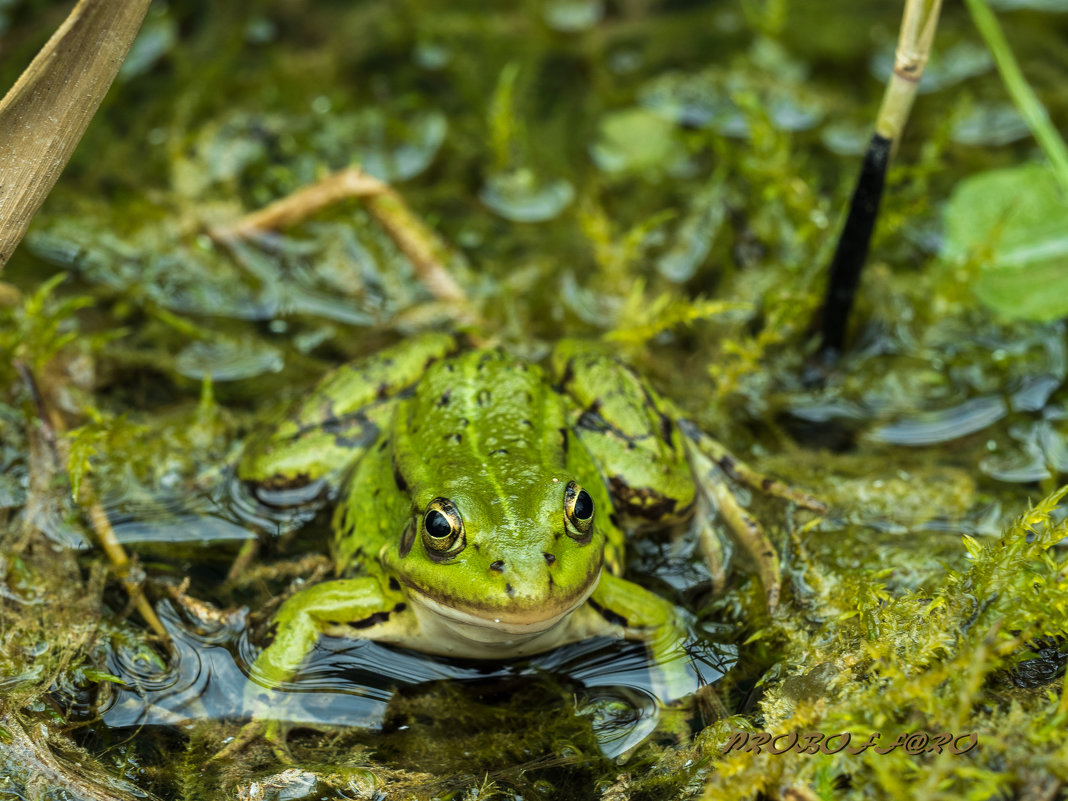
column 550, row 559
column 667, row 428
column 498, row 566
column 569, row 373
column 456, row 439
column 591, row 419
column 398, row 479
column 483, row 398
column 499, row 452
column 642, row 501
column 443, row 401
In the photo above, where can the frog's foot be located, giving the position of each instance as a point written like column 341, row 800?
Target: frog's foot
column 633, row 612
column 273, row 731
column 674, row 720
column 743, row 473
column 678, row 717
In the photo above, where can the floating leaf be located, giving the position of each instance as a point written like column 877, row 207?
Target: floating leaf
column 1014, row 222
column 636, row 140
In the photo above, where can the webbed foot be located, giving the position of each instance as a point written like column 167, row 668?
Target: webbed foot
column 273, row 731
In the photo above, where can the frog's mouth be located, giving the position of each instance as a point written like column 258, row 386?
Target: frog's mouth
column 528, row 621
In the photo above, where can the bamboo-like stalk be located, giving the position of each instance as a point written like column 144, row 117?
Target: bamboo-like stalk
column 918, row 27
column 53, row 428
column 43, row 116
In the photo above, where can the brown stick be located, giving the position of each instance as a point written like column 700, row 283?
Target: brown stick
column 349, row 183
column 51, row 425
column 415, row 240
column 43, row 116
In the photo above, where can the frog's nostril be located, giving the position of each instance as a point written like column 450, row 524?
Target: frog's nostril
column 549, row 558
column 497, row 566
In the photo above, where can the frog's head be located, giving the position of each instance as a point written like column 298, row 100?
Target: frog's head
column 514, row 561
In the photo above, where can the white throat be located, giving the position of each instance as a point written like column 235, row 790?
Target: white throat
column 453, row 632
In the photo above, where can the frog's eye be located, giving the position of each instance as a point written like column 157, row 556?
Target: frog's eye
column 578, row 511
column 443, row 529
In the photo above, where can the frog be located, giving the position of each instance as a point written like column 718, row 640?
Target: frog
column 484, row 502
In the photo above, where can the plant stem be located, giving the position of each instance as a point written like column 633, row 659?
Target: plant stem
column 43, row 116
column 918, row 26
column 1027, row 102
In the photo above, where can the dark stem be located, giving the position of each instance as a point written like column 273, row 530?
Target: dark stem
column 852, row 248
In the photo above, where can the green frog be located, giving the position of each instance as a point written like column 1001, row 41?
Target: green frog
column 484, row 502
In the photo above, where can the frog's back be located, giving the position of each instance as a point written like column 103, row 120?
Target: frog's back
column 482, row 415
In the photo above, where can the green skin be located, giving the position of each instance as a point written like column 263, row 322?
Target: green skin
column 499, row 447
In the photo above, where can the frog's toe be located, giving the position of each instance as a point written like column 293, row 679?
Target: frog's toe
column 709, row 705
column 275, row 734
column 674, row 720
column 249, row 732
column 271, row 731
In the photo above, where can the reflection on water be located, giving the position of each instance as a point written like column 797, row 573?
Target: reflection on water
column 352, row 682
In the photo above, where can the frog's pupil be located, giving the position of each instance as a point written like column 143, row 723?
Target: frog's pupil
column 583, row 506
column 437, row 525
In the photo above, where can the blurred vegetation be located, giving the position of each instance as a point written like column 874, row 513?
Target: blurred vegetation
column 667, row 174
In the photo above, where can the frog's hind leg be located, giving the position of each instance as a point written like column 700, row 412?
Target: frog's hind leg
column 331, row 427
column 713, row 465
column 744, row 474
column 746, row 529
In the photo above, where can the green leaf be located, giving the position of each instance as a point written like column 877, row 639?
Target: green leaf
column 99, row 675
column 635, row 140
column 1014, row 224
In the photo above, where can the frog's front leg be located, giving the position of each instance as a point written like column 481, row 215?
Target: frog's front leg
column 621, row 608
column 360, row 604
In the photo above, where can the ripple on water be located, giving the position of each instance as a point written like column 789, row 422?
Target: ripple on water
column 352, row 682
